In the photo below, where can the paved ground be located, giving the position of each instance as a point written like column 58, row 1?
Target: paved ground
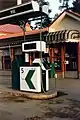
column 64, row 107
column 70, row 86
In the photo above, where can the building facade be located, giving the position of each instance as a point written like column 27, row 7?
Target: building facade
column 63, row 44
column 65, row 40
column 10, row 3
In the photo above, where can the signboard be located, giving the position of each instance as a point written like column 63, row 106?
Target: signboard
column 30, row 79
column 19, row 12
column 29, row 9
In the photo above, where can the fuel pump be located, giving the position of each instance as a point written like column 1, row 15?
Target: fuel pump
column 35, row 77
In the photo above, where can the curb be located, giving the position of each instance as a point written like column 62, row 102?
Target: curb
column 34, row 96
column 42, row 96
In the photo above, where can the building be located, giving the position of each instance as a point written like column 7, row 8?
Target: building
column 64, row 37
column 10, row 3
column 63, row 42
column 11, row 48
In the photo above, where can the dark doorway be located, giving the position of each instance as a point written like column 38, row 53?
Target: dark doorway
column 71, row 58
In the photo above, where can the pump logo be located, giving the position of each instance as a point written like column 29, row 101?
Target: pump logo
column 28, row 79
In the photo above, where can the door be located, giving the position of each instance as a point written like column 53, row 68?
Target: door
column 71, row 58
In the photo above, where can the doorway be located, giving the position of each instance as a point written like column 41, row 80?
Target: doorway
column 71, row 58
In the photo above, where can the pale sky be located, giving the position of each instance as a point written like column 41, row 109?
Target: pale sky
column 54, row 5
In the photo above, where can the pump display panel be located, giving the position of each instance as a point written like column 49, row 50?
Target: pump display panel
column 34, row 46
column 29, row 46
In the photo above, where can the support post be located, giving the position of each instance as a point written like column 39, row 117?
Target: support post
column 11, row 54
column 22, row 26
column 78, row 52
column 30, row 59
column 62, row 61
column 51, row 54
column 64, row 58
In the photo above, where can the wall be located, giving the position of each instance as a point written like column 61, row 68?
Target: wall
column 67, row 23
column 5, row 78
column 9, row 3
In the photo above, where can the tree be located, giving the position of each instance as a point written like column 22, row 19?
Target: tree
column 76, row 6
column 55, row 16
column 65, row 4
column 42, row 22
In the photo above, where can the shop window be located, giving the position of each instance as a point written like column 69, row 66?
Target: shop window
column 6, row 62
column 57, row 58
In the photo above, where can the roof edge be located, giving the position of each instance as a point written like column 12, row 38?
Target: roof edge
column 65, row 11
column 32, row 32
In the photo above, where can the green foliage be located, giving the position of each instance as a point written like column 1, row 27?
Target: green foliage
column 76, row 6
column 65, row 4
column 45, row 22
column 42, row 22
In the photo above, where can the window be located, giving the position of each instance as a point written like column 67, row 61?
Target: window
column 6, row 64
column 57, row 58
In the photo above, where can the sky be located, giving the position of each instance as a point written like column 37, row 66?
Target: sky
column 54, row 5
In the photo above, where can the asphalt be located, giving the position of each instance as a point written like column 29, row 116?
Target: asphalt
column 66, row 107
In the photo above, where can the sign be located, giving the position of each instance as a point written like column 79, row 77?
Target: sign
column 66, row 62
column 29, row 9
column 26, row 57
column 30, row 79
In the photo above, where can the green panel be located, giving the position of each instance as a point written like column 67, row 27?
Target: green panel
column 28, row 79
column 52, row 70
column 16, row 63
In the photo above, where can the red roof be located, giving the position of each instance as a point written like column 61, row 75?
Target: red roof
column 17, row 34
column 74, row 13
column 8, row 28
